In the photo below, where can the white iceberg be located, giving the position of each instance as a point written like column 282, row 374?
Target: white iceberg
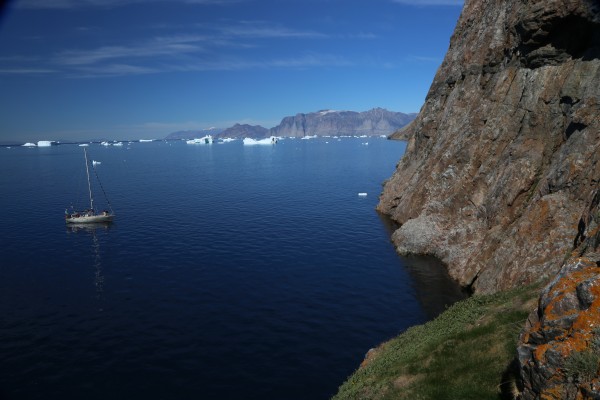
column 309, row 137
column 203, row 140
column 84, row 145
column 146, row 140
column 94, row 162
column 44, row 143
column 226, row 140
column 362, row 194
column 118, row 144
column 28, row 144
column 251, row 142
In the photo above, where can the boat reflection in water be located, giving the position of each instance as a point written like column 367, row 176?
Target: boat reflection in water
column 92, row 229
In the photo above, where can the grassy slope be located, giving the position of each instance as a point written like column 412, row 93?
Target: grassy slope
column 463, row 354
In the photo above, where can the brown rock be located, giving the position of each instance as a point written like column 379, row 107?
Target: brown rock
column 561, row 329
column 559, row 350
column 503, row 158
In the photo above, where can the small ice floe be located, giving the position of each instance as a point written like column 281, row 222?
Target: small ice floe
column 84, row 145
column 118, row 144
column 309, row 137
column 105, row 144
column 365, row 143
column 44, row 143
column 226, row 140
column 362, row 194
column 29, row 144
column 146, row 140
column 94, row 162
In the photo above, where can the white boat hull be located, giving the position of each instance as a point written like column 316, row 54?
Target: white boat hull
column 89, row 219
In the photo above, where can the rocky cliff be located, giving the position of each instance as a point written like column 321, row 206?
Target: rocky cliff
column 559, row 350
column 503, row 157
column 375, row 122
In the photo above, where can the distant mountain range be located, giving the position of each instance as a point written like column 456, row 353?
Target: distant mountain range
column 244, row 131
column 375, row 122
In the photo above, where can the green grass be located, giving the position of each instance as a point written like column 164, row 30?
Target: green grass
column 462, row 354
column 583, row 365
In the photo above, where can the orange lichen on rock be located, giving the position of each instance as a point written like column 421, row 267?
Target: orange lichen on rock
column 566, row 323
column 553, row 393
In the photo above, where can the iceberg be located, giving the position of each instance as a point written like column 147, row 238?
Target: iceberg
column 309, row 137
column 84, row 145
column 146, row 140
column 28, row 144
column 203, row 140
column 44, row 143
column 94, row 162
column 118, row 144
column 362, row 194
column 251, row 142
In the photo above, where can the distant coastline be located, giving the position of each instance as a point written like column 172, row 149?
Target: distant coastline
column 375, row 122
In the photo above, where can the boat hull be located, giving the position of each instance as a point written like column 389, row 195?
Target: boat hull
column 89, row 219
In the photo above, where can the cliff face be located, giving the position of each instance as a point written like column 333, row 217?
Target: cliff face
column 374, row 122
column 503, row 157
column 559, row 349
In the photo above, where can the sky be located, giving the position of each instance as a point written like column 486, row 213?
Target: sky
column 132, row 69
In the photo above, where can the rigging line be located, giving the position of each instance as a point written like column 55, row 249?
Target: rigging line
column 101, row 187
column 79, row 190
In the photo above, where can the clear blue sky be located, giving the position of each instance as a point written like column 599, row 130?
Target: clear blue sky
column 130, row 69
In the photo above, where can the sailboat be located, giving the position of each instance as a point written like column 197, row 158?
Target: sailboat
column 90, row 215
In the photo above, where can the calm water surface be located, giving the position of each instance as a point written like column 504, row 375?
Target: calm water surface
column 231, row 271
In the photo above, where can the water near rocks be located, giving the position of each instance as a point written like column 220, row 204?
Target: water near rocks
column 230, row 272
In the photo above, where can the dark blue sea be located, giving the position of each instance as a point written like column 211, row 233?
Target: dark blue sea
column 230, row 271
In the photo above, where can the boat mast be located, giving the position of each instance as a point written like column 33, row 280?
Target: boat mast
column 87, row 171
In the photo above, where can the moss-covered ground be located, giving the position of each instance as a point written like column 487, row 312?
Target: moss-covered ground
column 465, row 353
